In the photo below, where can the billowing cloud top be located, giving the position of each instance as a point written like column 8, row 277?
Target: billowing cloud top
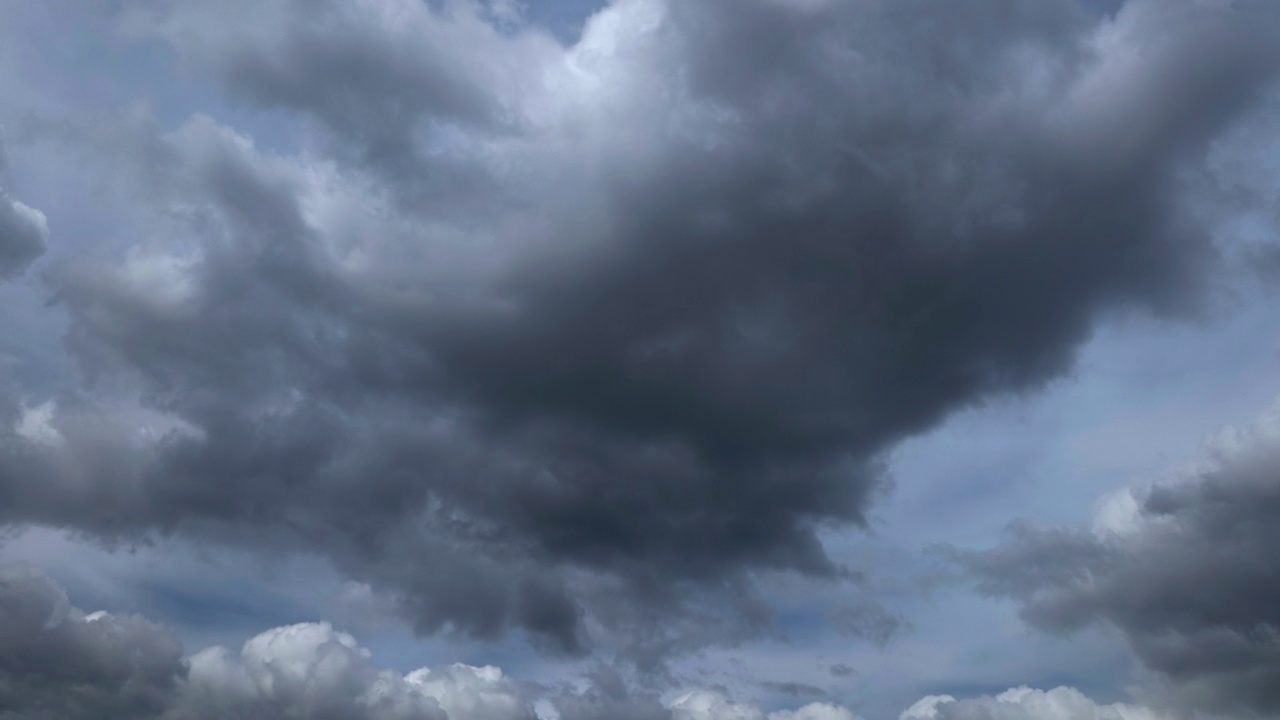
column 1024, row 703
column 706, row 705
column 577, row 339
column 57, row 662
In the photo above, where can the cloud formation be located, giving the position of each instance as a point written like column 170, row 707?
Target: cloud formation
column 707, row 705
column 1185, row 569
column 312, row 671
column 1024, row 703
column 57, row 662
column 578, row 340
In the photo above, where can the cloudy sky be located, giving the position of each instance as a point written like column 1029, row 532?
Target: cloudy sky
column 639, row 359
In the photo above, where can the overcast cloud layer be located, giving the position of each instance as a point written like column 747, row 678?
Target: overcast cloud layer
column 579, row 341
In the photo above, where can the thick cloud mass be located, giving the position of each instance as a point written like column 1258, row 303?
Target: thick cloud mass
column 1187, row 570
column 567, row 339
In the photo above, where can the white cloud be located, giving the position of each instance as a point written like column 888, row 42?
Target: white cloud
column 708, row 705
column 1024, row 703
column 815, row 711
column 315, row 671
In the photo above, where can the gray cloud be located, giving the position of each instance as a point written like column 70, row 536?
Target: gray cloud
column 57, row 662
column 607, row 694
column 794, row 689
column 576, row 340
column 1185, row 569
column 23, row 234
column 382, row 76
column 24, row 231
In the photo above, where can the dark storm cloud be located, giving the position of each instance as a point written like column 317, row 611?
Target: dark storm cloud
column 1187, row 570
column 698, row 271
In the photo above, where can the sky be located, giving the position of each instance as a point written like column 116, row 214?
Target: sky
column 639, row 359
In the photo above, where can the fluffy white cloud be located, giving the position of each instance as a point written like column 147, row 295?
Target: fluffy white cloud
column 815, row 711
column 708, row 705
column 311, row 670
column 1024, row 703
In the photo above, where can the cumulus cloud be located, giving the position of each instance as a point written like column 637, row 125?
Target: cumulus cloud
column 707, row 705
column 577, row 340
column 57, row 662
column 1185, row 569
column 312, row 671
column 1024, row 703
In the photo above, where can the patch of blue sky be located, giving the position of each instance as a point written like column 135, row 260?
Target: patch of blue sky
column 562, row 18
